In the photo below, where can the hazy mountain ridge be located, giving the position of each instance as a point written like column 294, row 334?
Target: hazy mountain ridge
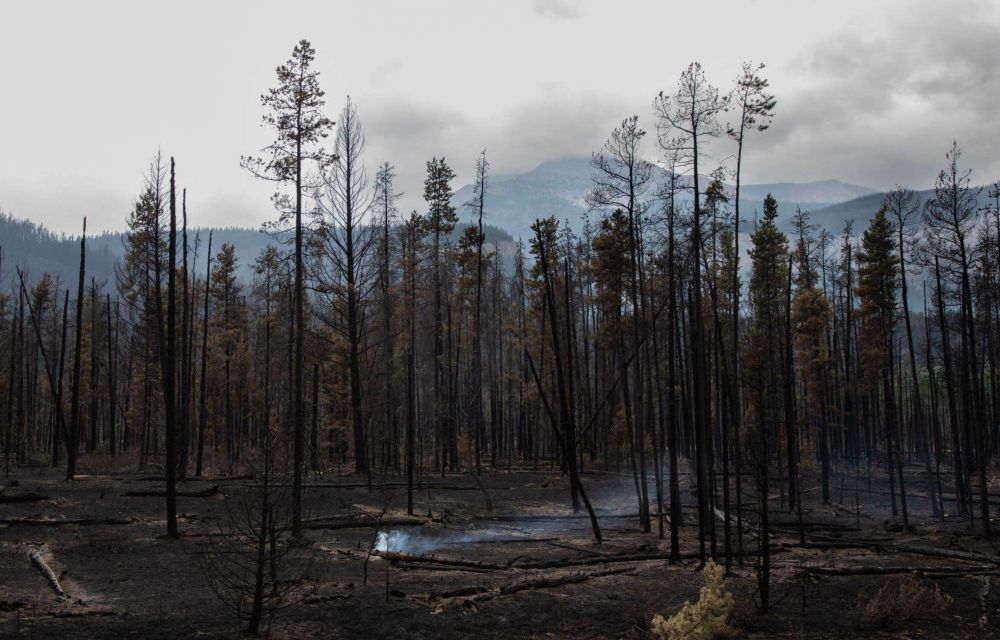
column 36, row 250
column 556, row 187
column 559, row 187
column 861, row 209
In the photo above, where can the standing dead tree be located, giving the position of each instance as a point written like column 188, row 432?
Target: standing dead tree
column 343, row 238
column 296, row 114
column 687, row 120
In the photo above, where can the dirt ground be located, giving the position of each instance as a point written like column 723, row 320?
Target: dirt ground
column 122, row 578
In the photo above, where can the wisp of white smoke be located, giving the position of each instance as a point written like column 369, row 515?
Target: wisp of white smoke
column 396, row 541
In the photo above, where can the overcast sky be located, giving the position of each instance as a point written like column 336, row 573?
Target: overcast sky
column 868, row 92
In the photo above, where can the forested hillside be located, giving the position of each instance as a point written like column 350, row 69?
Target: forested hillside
column 30, row 244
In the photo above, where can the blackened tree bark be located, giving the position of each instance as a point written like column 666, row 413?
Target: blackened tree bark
column 203, row 379
column 296, row 115
column 73, row 438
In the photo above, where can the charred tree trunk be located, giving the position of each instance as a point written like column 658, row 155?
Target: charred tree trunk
column 112, row 389
column 73, row 439
column 203, row 381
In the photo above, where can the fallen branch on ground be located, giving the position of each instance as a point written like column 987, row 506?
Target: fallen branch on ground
column 326, row 598
column 41, row 522
column 438, row 486
column 450, row 543
column 813, row 526
column 441, row 567
column 158, row 493
column 97, row 613
column 21, row 497
column 594, row 552
column 625, row 557
column 39, row 561
column 196, row 478
column 888, row 547
column 972, row 556
column 558, row 518
column 479, row 594
column 417, row 559
column 880, row 570
column 363, row 523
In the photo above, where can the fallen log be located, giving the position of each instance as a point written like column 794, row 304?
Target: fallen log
column 558, row 518
column 976, row 572
column 43, row 522
column 440, row 486
column 39, row 561
column 882, row 570
column 363, row 523
column 459, row 592
column 441, row 567
column 813, row 526
column 204, row 534
column 157, row 493
column 98, row 613
column 21, row 497
column 594, row 552
column 417, row 559
column 463, row 542
column 589, row 560
column 197, row 478
column 547, row 583
column 481, row 593
column 885, row 547
column 326, row 598
column 562, row 563
column 925, row 496
column 973, row 556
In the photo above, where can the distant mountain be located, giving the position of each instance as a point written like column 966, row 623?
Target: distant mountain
column 555, row 188
column 37, row 250
column 821, row 192
column 559, row 187
column 861, row 210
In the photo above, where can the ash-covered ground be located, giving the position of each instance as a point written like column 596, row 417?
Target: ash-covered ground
column 528, row 568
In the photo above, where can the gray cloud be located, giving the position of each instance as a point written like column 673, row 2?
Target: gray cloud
column 880, row 102
column 557, row 123
column 557, row 9
column 874, row 96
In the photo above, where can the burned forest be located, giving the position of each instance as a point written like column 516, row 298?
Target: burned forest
column 700, row 408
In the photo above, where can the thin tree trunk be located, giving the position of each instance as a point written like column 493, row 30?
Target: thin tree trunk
column 202, row 409
column 73, row 439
